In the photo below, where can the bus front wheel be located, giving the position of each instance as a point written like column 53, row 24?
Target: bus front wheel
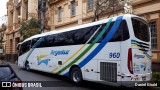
column 76, row 75
column 27, row 67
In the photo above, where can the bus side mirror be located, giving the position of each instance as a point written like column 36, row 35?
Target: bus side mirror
column 18, row 47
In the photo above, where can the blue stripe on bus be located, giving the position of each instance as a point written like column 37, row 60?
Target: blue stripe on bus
column 101, row 45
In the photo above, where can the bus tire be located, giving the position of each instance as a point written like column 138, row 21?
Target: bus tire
column 27, row 67
column 76, row 76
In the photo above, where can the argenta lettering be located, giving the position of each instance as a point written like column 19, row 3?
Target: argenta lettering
column 139, row 56
column 62, row 52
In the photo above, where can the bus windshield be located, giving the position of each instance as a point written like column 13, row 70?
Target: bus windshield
column 141, row 29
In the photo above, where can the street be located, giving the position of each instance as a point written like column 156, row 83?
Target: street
column 63, row 83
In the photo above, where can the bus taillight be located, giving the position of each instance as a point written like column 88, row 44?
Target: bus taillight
column 130, row 65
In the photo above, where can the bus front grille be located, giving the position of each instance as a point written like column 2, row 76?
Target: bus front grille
column 108, row 71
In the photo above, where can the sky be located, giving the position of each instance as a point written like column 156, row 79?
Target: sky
column 3, row 10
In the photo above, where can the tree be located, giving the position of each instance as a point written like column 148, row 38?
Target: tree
column 106, row 6
column 29, row 28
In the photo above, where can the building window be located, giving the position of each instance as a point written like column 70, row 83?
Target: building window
column 73, row 8
column 89, row 4
column 153, row 28
column 59, row 13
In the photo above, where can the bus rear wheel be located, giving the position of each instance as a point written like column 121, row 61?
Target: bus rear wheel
column 76, row 76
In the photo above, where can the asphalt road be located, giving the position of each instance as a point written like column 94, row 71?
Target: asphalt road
column 57, row 82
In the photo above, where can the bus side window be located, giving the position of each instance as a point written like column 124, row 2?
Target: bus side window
column 50, row 40
column 92, row 30
column 108, row 29
column 80, row 34
column 43, row 42
column 122, row 33
column 59, row 39
column 125, row 31
column 98, row 32
column 25, row 47
column 68, row 40
column 84, row 34
column 71, row 35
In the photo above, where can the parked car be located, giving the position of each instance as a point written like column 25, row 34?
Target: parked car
column 7, row 74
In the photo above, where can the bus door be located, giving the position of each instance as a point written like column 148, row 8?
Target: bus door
column 23, row 54
column 35, row 52
column 141, row 54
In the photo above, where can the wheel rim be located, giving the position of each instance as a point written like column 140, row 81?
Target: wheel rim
column 27, row 67
column 76, row 76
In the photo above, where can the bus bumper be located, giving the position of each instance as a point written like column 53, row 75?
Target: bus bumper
column 136, row 80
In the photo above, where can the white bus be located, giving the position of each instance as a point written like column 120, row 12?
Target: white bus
column 109, row 51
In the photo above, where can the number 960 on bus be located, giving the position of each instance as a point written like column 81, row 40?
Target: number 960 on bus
column 114, row 55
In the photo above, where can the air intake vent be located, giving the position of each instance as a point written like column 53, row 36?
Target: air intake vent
column 108, row 71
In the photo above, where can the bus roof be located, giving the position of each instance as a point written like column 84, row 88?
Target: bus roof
column 76, row 27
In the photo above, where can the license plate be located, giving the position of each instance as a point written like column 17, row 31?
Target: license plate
column 143, row 78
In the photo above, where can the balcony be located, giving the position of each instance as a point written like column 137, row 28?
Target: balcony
column 136, row 2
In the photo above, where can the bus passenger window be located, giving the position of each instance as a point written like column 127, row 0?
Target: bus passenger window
column 94, row 29
column 50, row 40
column 68, row 40
column 121, row 34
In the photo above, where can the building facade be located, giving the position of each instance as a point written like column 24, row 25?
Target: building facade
column 68, row 13
column 60, row 14
column 17, row 11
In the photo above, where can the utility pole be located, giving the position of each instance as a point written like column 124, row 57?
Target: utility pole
column 42, row 15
